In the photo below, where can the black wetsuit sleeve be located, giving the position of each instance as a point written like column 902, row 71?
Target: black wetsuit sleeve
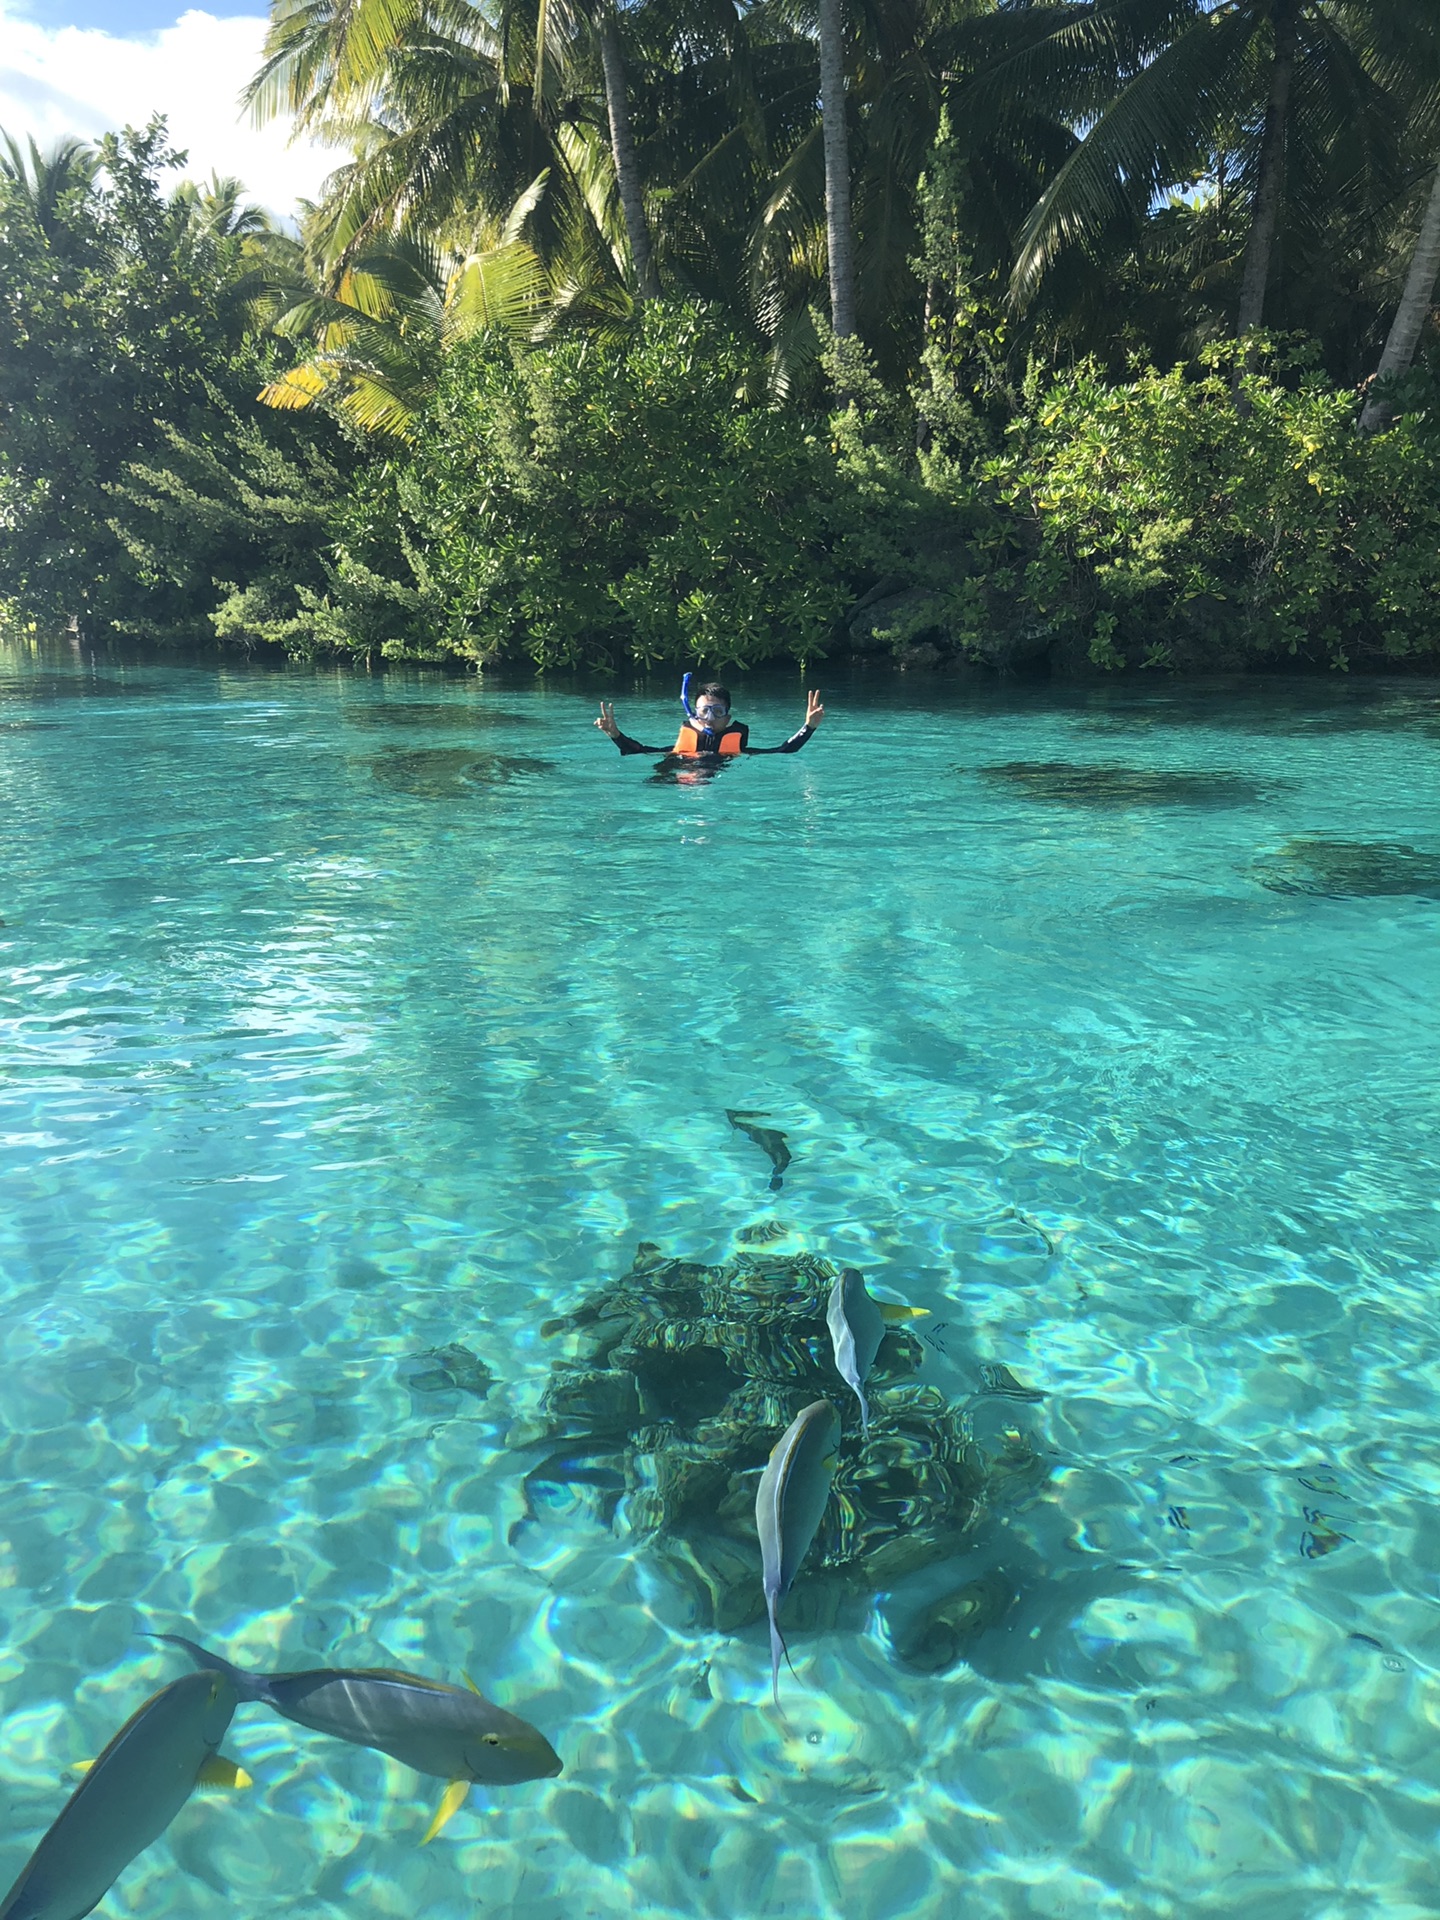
column 792, row 745
column 627, row 745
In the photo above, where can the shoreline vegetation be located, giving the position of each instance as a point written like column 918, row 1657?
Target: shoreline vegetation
column 1065, row 340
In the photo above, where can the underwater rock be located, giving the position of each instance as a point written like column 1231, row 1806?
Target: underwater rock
column 998, row 1378
column 588, row 1470
column 1240, row 705
column 1014, row 1467
column 698, row 1370
column 452, row 1369
column 942, row 1633
column 1350, row 869
column 94, row 1378
column 68, row 686
column 722, row 1579
column 427, row 713
column 762, row 1233
column 450, row 773
column 597, row 1400
column 1077, row 784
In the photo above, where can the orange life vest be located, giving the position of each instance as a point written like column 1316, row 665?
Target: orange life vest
column 687, row 741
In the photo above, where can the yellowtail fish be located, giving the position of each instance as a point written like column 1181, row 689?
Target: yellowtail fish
column 128, row 1797
column 788, row 1507
column 457, row 1735
column 770, row 1141
column 857, row 1326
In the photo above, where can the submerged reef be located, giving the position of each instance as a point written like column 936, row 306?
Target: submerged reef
column 1073, row 783
column 448, row 773
column 452, row 1369
column 1306, row 709
column 681, row 1377
column 1350, row 869
column 421, row 714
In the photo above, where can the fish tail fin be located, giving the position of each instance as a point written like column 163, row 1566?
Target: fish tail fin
column 221, row 1771
column 893, row 1313
column 451, row 1802
column 864, row 1414
column 248, row 1686
column 777, row 1648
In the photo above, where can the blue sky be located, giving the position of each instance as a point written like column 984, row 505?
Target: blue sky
column 128, row 17
column 86, row 67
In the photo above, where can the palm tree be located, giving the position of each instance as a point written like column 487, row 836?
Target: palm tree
column 1412, row 62
column 606, row 22
column 1152, row 80
column 839, row 230
column 1413, row 312
column 380, row 337
column 42, row 180
column 220, row 210
column 1270, row 173
column 850, row 140
column 444, row 105
column 561, row 28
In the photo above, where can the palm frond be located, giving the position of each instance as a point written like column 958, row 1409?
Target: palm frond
column 1143, row 142
column 506, row 288
column 299, row 387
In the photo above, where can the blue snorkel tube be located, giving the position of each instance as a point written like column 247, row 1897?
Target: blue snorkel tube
column 685, row 698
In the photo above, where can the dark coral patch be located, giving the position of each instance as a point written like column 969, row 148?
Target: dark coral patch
column 464, row 716
column 450, row 773
column 686, row 1375
column 1351, row 869
column 1075, row 784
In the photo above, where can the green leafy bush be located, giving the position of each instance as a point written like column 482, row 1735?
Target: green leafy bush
column 226, row 529
column 142, row 489
column 602, row 501
column 1171, row 528
column 634, row 497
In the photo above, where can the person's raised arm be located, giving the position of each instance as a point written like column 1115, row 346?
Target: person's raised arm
column 814, row 714
column 606, row 724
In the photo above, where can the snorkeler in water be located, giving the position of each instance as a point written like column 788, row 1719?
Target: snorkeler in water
column 708, row 732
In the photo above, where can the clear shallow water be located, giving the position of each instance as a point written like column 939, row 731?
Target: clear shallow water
column 344, row 1018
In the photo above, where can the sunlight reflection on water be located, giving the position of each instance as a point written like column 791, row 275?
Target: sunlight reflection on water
column 321, row 1054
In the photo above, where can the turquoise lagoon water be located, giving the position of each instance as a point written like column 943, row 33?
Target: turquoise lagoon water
column 346, row 1018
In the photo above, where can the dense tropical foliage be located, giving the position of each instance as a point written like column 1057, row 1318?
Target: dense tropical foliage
column 1062, row 334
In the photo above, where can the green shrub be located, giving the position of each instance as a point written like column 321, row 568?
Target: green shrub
column 1171, row 528
column 601, row 501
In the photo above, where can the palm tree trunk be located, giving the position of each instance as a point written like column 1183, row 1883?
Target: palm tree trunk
column 1270, row 184
column 622, row 147
column 1414, row 310
column 839, row 231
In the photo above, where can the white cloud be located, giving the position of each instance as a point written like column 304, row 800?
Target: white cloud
column 59, row 80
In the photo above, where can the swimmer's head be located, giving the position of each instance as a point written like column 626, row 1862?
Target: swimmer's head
column 712, row 704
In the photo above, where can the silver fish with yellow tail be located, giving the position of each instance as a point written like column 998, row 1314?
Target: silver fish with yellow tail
column 457, row 1735
column 857, row 1325
column 128, row 1797
column 788, row 1508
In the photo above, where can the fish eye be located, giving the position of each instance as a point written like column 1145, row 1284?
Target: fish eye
column 492, row 1739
